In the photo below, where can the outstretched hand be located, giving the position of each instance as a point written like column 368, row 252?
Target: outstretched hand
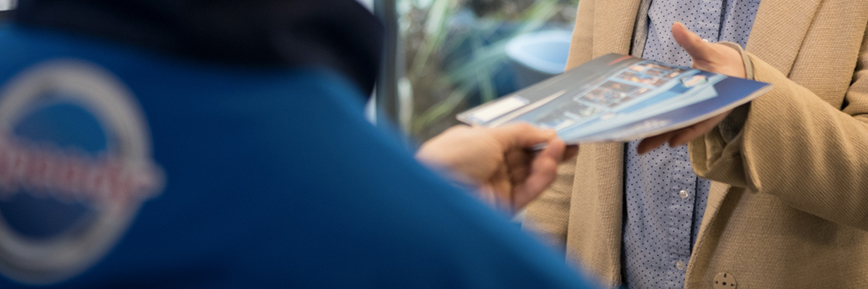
column 706, row 56
column 499, row 161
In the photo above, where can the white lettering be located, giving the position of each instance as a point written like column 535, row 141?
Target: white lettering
column 65, row 175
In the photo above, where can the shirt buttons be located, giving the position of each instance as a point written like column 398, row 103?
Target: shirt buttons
column 684, row 194
column 679, row 265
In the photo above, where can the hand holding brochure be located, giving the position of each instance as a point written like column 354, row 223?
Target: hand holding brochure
column 618, row 98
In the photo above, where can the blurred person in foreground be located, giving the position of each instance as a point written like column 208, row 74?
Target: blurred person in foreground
column 221, row 144
column 771, row 195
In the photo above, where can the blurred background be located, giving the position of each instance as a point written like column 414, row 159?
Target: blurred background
column 5, row 6
column 445, row 56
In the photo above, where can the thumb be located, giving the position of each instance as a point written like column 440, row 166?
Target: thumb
column 521, row 135
column 698, row 49
column 543, row 172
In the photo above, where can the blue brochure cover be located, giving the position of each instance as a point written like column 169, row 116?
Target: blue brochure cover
column 618, row 98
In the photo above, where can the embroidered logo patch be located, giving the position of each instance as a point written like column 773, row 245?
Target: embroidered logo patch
column 75, row 166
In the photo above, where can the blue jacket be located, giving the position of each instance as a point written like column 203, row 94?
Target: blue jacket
column 125, row 168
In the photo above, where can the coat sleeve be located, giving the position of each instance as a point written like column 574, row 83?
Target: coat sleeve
column 798, row 147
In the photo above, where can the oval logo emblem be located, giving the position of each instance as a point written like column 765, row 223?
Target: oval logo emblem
column 75, row 166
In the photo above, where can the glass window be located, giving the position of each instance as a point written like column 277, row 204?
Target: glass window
column 456, row 54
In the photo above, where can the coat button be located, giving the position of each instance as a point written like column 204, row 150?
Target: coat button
column 725, row 281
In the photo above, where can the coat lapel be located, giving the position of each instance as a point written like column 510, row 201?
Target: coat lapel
column 596, row 210
column 716, row 194
column 779, row 29
column 613, row 26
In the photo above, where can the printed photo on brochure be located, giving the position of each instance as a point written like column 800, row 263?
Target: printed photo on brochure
column 618, row 98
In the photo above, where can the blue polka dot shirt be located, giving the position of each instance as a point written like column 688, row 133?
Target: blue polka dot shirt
column 664, row 199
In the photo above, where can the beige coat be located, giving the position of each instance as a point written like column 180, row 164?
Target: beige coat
column 789, row 205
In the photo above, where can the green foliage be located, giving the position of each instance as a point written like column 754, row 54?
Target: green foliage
column 439, row 91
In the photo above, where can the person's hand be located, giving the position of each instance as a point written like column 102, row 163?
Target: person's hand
column 706, row 56
column 499, row 161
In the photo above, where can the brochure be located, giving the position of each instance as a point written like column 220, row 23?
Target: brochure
column 618, row 98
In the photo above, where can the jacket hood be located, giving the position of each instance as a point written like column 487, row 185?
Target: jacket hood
column 338, row 34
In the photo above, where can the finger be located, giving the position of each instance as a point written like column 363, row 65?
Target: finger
column 501, row 185
column 521, row 135
column 554, row 150
column 684, row 136
column 689, row 133
column 518, row 162
column 650, row 143
column 698, row 49
column 571, row 152
column 542, row 174
column 486, row 195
